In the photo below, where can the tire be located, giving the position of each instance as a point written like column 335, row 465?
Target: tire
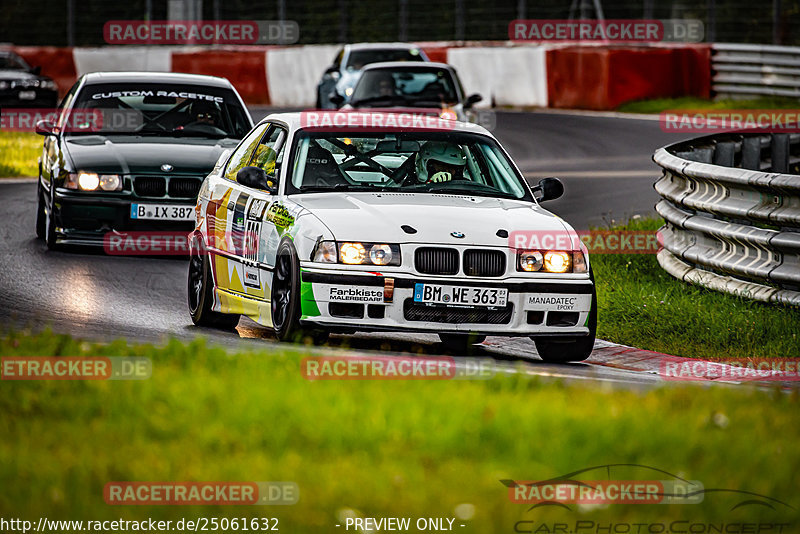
column 200, row 294
column 461, row 344
column 50, row 236
column 570, row 348
column 41, row 216
column 285, row 300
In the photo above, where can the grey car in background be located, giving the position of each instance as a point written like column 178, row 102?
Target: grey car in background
column 433, row 87
column 336, row 85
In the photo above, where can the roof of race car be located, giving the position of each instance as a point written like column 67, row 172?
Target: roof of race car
column 382, row 46
column 303, row 120
column 156, row 77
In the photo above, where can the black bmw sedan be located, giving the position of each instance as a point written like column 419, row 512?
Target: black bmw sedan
column 129, row 152
column 23, row 86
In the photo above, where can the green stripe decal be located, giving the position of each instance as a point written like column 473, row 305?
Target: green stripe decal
column 308, row 304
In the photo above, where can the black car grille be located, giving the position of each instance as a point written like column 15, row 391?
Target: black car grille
column 436, row 260
column 413, row 311
column 484, row 263
column 184, row 187
column 149, row 186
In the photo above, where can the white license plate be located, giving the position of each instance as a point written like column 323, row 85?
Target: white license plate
column 27, row 95
column 460, row 295
column 162, row 212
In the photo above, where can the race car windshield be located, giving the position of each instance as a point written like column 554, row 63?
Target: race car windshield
column 167, row 110
column 441, row 163
column 407, row 86
column 359, row 58
column 10, row 62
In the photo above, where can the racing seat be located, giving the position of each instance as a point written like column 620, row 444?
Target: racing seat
column 321, row 168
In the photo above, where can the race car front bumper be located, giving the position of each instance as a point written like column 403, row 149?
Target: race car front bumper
column 362, row 301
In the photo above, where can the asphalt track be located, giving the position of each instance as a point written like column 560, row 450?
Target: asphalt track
column 605, row 162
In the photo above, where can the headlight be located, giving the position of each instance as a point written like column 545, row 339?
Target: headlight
column 88, row 181
column 110, row 182
column 91, row 181
column 4, row 85
column 530, row 260
column 357, row 253
column 48, row 84
column 352, row 253
column 380, row 254
column 557, row 261
column 551, row 261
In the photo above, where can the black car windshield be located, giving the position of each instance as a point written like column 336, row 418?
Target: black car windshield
column 358, row 58
column 432, row 162
column 169, row 110
column 406, row 86
column 12, row 62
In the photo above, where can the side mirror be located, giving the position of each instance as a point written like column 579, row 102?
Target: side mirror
column 256, row 178
column 472, row 100
column 37, row 70
column 551, row 188
column 336, row 99
column 45, row 127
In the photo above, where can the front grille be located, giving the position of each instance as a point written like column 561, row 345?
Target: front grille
column 184, row 187
column 149, row 186
column 484, row 263
column 436, row 260
column 413, row 311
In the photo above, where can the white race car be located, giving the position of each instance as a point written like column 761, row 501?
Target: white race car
column 325, row 222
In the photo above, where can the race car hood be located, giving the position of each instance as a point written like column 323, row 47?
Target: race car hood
column 144, row 155
column 17, row 74
column 378, row 217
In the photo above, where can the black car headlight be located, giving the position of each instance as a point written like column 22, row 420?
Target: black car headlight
column 48, row 84
column 91, row 181
column 357, row 253
column 4, row 85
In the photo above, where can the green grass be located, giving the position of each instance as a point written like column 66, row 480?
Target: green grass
column 693, row 103
column 639, row 304
column 19, row 154
column 376, row 448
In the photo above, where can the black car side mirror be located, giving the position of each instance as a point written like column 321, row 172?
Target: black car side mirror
column 336, row 99
column 551, row 188
column 45, row 127
column 37, row 70
column 256, row 178
column 472, row 100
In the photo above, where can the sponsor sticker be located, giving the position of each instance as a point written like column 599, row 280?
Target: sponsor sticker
column 355, row 294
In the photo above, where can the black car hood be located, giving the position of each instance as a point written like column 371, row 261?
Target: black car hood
column 144, row 154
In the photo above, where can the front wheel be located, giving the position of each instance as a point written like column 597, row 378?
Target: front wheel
column 41, row 214
column 564, row 349
column 286, row 299
column 201, row 287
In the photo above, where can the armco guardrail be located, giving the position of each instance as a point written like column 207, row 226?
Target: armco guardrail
column 732, row 214
column 742, row 70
